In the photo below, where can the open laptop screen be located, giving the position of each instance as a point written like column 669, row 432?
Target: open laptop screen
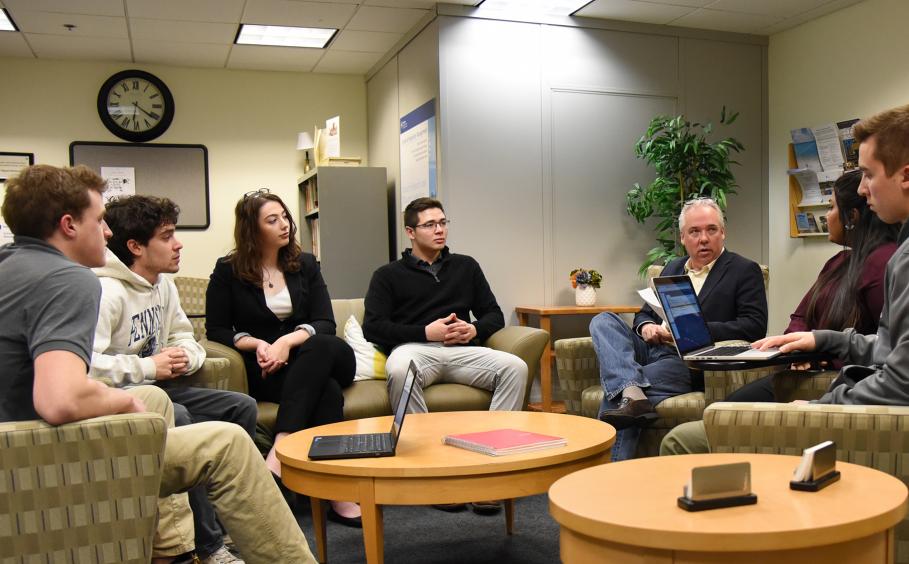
column 683, row 312
column 401, row 408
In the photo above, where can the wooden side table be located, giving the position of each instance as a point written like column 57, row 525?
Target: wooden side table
column 546, row 313
column 626, row 512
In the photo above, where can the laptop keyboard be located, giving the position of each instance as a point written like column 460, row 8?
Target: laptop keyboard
column 726, row 351
column 372, row 442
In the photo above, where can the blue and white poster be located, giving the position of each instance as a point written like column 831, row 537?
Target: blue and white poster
column 418, row 154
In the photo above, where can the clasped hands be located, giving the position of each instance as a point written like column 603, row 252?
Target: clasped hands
column 170, row 363
column 451, row 331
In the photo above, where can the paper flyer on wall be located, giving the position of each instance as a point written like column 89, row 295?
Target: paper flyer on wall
column 829, row 149
column 847, row 138
column 6, row 236
column 806, row 155
column 332, row 136
column 811, row 188
column 121, row 181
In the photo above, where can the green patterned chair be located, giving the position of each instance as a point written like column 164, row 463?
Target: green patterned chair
column 579, row 380
column 80, row 492
column 368, row 398
column 874, row 436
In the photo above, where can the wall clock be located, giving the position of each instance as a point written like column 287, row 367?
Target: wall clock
column 135, row 105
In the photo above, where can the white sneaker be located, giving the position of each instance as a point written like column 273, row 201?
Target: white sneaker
column 222, row 556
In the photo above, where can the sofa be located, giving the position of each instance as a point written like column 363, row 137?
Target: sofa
column 367, row 398
column 80, row 492
column 876, row 436
column 579, row 379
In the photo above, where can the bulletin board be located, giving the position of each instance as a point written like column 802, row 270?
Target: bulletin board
column 176, row 172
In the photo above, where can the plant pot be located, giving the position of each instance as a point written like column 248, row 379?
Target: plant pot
column 585, row 295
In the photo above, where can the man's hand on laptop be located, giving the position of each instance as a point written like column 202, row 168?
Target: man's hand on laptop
column 799, row 341
column 655, row 334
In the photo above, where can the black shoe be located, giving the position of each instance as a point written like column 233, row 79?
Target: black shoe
column 450, row 507
column 486, row 507
column 356, row 522
column 630, row 413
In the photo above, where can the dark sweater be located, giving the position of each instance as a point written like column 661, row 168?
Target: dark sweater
column 403, row 299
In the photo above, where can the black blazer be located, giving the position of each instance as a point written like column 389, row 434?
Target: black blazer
column 733, row 298
column 233, row 305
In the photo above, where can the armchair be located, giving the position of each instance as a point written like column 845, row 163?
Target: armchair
column 579, row 379
column 875, row 436
column 80, row 492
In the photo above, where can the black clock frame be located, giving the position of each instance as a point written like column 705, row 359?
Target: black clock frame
column 136, row 136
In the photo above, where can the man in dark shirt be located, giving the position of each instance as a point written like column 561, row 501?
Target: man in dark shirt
column 419, row 307
column 49, row 305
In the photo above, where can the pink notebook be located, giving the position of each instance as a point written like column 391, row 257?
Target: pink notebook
column 504, row 441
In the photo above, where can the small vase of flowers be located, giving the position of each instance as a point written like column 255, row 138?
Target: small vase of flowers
column 585, row 283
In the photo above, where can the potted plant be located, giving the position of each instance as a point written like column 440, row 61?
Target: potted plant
column 585, row 283
column 687, row 166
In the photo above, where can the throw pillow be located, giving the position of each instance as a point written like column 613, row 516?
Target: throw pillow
column 370, row 361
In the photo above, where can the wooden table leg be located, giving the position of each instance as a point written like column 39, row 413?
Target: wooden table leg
column 546, row 366
column 373, row 527
column 509, row 516
column 318, row 525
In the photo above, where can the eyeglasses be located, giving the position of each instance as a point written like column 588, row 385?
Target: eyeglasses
column 431, row 225
column 256, row 193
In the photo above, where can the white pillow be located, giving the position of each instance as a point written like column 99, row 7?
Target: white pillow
column 370, row 361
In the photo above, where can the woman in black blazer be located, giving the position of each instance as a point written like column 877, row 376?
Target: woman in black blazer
column 267, row 299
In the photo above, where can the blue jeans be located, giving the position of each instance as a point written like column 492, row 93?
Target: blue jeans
column 626, row 360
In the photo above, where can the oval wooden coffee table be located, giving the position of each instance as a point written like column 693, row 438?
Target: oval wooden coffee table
column 626, row 512
column 424, row 471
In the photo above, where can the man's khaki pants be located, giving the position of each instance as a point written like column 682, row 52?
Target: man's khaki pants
column 223, row 458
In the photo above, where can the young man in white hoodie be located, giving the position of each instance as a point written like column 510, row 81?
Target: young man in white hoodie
column 144, row 337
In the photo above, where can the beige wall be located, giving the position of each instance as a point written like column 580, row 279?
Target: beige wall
column 851, row 63
column 248, row 121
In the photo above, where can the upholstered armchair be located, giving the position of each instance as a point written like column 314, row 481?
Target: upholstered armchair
column 875, row 436
column 579, row 379
column 80, row 492
column 367, row 398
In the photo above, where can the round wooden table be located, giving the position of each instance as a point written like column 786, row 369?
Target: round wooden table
column 424, row 471
column 626, row 512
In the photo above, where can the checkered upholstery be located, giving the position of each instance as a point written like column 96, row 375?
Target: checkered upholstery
column 873, row 435
column 579, row 380
column 80, row 492
column 192, row 299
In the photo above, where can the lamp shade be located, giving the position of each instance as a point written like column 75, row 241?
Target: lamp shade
column 304, row 141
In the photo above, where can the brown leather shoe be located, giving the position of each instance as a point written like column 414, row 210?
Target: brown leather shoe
column 630, row 413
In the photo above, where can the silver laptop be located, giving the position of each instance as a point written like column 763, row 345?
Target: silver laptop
column 366, row 445
column 688, row 327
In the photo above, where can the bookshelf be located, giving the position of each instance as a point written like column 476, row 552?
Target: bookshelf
column 796, row 206
column 344, row 223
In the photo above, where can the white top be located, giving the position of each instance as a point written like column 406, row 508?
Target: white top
column 280, row 304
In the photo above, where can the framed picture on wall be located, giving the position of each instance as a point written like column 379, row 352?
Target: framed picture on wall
column 12, row 163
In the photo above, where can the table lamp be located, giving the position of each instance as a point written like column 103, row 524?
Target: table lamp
column 304, row 143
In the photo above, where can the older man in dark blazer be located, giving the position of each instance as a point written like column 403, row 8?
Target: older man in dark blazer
column 639, row 365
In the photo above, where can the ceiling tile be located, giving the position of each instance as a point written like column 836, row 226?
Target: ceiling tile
column 74, row 47
column 199, row 32
column 346, row 62
column 827, row 8
column 14, row 45
column 633, row 11
column 180, row 54
column 689, row 3
column 295, row 13
column 422, row 4
column 225, row 11
column 256, row 57
column 369, row 41
column 393, row 20
column 88, row 7
column 773, row 8
column 86, row 26
column 725, row 21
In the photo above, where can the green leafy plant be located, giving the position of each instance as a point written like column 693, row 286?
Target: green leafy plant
column 581, row 276
column 688, row 166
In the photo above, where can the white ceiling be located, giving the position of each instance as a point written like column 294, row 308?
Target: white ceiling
column 200, row 33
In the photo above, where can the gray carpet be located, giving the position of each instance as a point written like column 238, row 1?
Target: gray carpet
column 423, row 535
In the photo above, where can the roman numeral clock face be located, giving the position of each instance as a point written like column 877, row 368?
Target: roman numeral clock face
column 135, row 105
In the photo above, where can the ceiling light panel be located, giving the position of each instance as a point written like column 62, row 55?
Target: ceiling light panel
column 6, row 24
column 283, row 36
column 525, row 8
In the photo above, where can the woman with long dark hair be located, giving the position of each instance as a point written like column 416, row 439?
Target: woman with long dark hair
column 267, row 299
column 849, row 291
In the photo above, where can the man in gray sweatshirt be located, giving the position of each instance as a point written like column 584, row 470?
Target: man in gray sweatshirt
column 877, row 366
